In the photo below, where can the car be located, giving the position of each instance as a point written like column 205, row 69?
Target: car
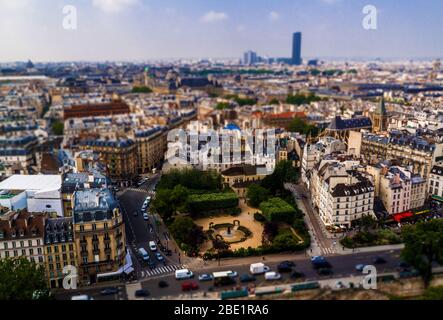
column 379, row 260
column 145, row 217
column 81, row 298
column 163, row 284
column 205, row 277
column 285, row 266
column 319, row 262
column 272, row 276
column 360, row 267
column 183, row 274
column 135, row 214
column 340, row 285
column 189, row 286
column 247, row 278
column 152, row 246
column 141, row 293
column 109, row 291
column 297, row 275
column 324, row 271
column 159, row 257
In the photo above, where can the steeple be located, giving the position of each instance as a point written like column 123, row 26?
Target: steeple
column 381, row 109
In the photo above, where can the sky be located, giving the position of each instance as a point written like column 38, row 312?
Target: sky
column 129, row 30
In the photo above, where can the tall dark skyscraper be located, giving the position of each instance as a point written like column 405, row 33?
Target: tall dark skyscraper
column 296, row 49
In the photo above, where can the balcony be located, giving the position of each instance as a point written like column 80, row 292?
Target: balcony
column 96, row 252
column 108, row 250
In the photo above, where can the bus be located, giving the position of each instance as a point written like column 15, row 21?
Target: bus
column 224, row 278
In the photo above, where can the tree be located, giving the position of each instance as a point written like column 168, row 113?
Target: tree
column 162, row 204
column 423, row 246
column 22, row 279
column 185, row 231
column 256, row 195
column 179, row 198
column 58, row 128
column 284, row 172
column 141, row 89
column 274, row 101
column 302, row 127
column 220, row 245
column 223, row 105
column 367, row 223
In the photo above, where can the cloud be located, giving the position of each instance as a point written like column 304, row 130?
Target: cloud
column 213, row 16
column 274, row 16
column 114, row 5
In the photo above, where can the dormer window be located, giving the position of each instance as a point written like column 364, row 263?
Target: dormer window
column 22, row 234
column 13, row 234
column 2, row 235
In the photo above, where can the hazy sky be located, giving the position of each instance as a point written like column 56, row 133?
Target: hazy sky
column 149, row 29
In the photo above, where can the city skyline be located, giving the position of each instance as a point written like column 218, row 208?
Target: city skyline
column 134, row 30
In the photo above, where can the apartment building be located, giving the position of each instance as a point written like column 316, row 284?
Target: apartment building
column 99, row 233
column 22, row 235
column 151, row 147
column 59, row 250
column 341, row 194
column 435, row 183
column 398, row 188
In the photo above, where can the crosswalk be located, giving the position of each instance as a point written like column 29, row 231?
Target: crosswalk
column 328, row 250
column 137, row 190
column 161, row 270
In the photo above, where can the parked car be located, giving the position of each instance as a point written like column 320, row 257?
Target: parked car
column 205, row 277
column 145, row 217
column 247, row 278
column 141, row 293
column 188, row 286
column 159, row 257
column 272, row 276
column 285, row 266
column 135, row 213
column 163, row 284
column 152, row 246
column 109, row 291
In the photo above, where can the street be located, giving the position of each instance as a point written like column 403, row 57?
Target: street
column 342, row 266
column 140, row 232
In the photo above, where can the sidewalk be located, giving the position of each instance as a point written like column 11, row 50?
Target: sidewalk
column 347, row 251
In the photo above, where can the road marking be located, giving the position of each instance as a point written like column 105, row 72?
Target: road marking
column 163, row 270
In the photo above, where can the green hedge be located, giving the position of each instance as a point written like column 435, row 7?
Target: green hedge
column 278, row 210
column 202, row 203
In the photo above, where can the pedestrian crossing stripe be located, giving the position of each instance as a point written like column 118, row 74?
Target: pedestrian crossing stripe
column 163, row 270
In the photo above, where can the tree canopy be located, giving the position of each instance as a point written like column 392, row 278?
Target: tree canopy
column 256, row 194
column 284, row 172
column 301, row 126
column 187, row 234
column 21, row 279
column 423, row 247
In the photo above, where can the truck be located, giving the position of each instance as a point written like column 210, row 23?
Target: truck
column 258, row 268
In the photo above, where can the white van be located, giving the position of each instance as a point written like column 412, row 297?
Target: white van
column 258, row 268
column 81, row 298
column 142, row 252
column 152, row 246
column 183, row 274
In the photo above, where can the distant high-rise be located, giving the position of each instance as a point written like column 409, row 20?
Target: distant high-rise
column 250, row 58
column 296, row 49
